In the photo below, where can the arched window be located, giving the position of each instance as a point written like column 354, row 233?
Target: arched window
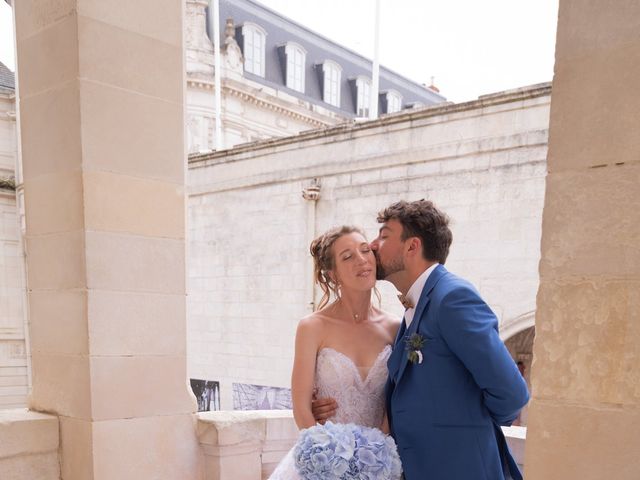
column 296, row 56
column 332, row 77
column 253, row 45
column 363, row 85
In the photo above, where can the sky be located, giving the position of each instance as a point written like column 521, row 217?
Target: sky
column 6, row 36
column 470, row 47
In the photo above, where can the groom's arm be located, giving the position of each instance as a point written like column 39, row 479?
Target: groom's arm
column 323, row 409
column 469, row 328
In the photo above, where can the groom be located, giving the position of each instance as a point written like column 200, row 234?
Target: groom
column 452, row 382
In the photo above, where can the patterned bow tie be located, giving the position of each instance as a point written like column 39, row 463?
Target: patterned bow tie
column 406, row 302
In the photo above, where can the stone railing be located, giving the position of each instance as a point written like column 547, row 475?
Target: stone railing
column 236, row 445
column 244, row 445
column 248, row 445
column 28, row 445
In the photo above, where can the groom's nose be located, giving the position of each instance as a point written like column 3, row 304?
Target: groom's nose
column 374, row 245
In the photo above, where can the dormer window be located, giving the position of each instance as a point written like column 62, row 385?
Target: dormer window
column 296, row 56
column 331, row 82
column 394, row 102
column 253, row 43
column 363, row 86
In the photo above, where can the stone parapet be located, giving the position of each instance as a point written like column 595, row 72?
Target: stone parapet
column 29, row 444
column 238, row 445
column 247, row 445
column 244, row 445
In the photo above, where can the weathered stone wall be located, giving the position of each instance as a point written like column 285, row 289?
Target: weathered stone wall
column 13, row 357
column 584, row 420
column 249, row 227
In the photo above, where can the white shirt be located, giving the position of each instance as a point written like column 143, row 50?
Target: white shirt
column 414, row 292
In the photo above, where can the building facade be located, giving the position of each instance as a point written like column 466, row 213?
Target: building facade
column 278, row 78
column 14, row 374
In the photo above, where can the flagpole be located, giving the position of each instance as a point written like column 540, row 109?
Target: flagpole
column 214, row 5
column 375, row 73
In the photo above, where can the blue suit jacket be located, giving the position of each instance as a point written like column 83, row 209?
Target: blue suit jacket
column 445, row 413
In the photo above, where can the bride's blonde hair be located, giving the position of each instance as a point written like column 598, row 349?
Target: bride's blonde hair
column 324, row 261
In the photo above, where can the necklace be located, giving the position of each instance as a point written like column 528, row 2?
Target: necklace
column 357, row 317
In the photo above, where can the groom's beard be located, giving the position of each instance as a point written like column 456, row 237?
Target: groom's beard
column 383, row 271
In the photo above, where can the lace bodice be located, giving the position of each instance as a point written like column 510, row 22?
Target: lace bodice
column 360, row 399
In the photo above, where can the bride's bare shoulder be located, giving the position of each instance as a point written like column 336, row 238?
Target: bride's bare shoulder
column 390, row 322
column 313, row 321
column 386, row 317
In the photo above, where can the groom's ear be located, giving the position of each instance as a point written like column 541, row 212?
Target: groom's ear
column 414, row 246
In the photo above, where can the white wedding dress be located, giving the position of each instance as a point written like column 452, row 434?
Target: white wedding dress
column 359, row 392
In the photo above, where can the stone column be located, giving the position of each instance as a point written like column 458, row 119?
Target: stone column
column 584, row 421
column 101, row 103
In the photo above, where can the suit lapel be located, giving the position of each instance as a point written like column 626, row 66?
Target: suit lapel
column 420, row 310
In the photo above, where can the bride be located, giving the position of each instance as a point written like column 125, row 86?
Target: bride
column 341, row 350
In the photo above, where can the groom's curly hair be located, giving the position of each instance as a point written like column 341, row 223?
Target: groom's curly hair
column 422, row 219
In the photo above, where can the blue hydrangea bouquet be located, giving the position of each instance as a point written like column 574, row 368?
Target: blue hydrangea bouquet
column 337, row 451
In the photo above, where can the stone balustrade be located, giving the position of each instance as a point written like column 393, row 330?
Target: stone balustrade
column 248, row 445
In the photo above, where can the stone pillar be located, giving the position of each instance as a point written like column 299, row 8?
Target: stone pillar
column 584, row 421
column 101, row 104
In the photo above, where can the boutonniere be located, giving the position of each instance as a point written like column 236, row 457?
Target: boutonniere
column 413, row 346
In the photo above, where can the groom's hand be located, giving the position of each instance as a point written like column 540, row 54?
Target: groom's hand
column 323, row 409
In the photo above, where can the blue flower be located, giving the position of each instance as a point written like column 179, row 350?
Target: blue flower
column 346, row 452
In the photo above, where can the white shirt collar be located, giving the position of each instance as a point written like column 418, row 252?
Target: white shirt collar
column 416, row 289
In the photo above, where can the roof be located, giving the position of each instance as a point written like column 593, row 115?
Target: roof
column 281, row 30
column 7, row 78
